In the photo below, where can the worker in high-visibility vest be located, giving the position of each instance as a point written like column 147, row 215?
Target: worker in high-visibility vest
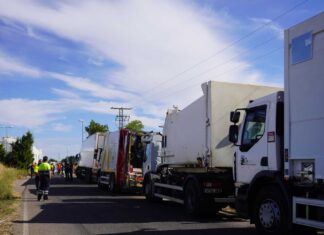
column 44, row 171
column 35, row 168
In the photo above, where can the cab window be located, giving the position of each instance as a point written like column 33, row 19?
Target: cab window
column 254, row 127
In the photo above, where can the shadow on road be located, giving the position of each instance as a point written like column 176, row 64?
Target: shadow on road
column 218, row 231
column 79, row 203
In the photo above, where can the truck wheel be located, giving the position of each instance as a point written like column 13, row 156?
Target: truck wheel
column 270, row 212
column 89, row 177
column 112, row 185
column 148, row 191
column 99, row 182
column 192, row 199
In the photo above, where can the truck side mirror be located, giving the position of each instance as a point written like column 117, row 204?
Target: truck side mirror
column 235, row 116
column 233, row 134
column 95, row 154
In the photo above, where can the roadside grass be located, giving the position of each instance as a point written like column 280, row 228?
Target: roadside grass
column 8, row 202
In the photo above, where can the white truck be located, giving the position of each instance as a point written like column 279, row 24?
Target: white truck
column 196, row 157
column 126, row 155
column 152, row 155
column 279, row 145
column 88, row 157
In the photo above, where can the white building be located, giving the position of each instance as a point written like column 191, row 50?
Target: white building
column 7, row 141
column 38, row 154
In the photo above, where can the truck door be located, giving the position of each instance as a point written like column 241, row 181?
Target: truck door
column 253, row 149
column 147, row 159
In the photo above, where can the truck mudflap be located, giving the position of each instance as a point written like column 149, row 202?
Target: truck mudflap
column 220, row 186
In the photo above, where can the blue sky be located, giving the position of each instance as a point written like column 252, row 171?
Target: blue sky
column 61, row 61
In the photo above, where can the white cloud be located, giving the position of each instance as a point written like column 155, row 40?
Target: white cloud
column 149, row 123
column 31, row 33
column 96, row 90
column 28, row 113
column 58, row 147
column 83, row 84
column 9, row 66
column 65, row 93
column 60, row 127
column 272, row 26
column 95, row 61
column 152, row 41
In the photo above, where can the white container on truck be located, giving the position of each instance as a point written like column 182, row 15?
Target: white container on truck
column 123, row 159
column 197, row 158
column 280, row 151
column 87, row 158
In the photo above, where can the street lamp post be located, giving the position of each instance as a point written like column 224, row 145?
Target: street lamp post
column 82, row 123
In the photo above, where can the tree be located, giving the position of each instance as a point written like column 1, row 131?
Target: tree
column 70, row 159
column 95, row 127
column 22, row 153
column 2, row 154
column 135, row 125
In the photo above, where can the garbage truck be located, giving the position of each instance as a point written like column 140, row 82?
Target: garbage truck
column 126, row 155
column 196, row 166
column 279, row 148
column 88, row 163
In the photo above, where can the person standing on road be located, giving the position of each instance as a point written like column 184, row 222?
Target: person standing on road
column 67, row 171
column 35, row 168
column 71, row 171
column 44, row 171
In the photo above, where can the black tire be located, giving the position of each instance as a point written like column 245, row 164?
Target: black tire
column 270, row 212
column 88, row 177
column 192, row 199
column 196, row 205
column 100, row 186
column 148, row 191
column 112, row 185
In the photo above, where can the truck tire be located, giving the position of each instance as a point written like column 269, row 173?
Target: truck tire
column 148, row 191
column 88, row 177
column 100, row 186
column 112, row 185
column 270, row 212
column 192, row 199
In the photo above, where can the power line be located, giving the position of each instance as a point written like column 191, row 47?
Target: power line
column 230, row 45
column 221, row 74
column 121, row 119
column 224, row 63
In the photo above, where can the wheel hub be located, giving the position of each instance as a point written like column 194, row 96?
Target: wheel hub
column 269, row 214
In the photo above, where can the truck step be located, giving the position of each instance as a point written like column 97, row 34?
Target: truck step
column 306, row 221
column 169, row 198
column 168, row 186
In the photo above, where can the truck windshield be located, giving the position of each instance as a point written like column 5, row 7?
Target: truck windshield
column 254, row 127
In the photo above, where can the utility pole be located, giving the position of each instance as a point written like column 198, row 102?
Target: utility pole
column 121, row 118
column 82, row 123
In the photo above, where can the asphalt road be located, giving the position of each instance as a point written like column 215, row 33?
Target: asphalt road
column 79, row 208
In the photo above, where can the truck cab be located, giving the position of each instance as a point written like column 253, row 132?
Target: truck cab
column 259, row 139
column 152, row 151
column 259, row 161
